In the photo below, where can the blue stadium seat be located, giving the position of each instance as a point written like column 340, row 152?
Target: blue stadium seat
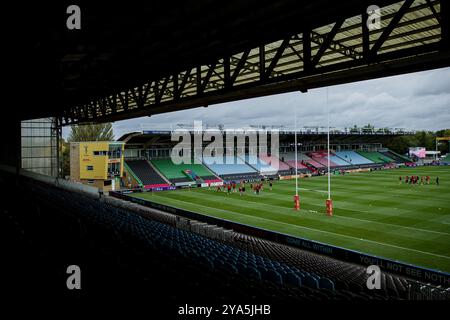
column 230, row 165
column 261, row 260
column 273, row 276
column 310, row 281
column 353, row 158
column 292, row 279
column 252, row 273
column 325, row 283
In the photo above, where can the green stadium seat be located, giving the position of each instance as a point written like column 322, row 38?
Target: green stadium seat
column 375, row 156
column 176, row 173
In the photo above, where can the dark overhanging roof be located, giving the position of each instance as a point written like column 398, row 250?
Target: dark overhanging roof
column 148, row 137
column 115, row 65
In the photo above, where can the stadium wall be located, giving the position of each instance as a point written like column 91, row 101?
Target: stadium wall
column 62, row 183
column 411, row 271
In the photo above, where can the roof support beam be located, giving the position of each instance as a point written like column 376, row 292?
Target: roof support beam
column 176, row 92
column 112, row 102
column 239, row 66
column 161, row 90
column 436, row 15
column 365, row 35
column 199, row 80
column 277, row 57
column 124, row 100
column 307, row 63
column 391, row 26
column 262, row 62
column 246, row 74
column 329, row 38
column 146, row 92
column 226, row 72
column 137, row 95
column 445, row 24
column 207, row 78
column 335, row 46
column 296, row 52
column 102, row 105
column 184, row 81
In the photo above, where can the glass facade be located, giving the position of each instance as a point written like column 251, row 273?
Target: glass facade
column 114, row 169
column 39, row 146
column 115, row 151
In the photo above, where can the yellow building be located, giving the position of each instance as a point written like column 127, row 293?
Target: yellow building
column 97, row 163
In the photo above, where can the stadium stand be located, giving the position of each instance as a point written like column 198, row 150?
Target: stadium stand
column 375, row 156
column 303, row 159
column 261, row 166
column 395, row 156
column 232, row 168
column 353, row 158
column 338, row 161
column 172, row 172
column 300, row 165
column 235, row 265
column 184, row 172
column 291, row 156
column 321, row 157
column 200, row 173
column 145, row 173
column 283, row 168
column 212, row 255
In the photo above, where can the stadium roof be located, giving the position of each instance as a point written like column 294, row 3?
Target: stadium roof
column 153, row 136
column 160, row 56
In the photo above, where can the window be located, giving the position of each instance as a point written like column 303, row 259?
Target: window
column 114, row 151
column 89, row 168
column 39, row 146
column 114, row 169
column 100, row 153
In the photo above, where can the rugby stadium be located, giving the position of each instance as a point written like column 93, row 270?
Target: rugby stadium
column 190, row 158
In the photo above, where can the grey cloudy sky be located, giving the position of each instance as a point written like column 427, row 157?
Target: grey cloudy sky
column 413, row 101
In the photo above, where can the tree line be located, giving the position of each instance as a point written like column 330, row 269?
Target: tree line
column 426, row 139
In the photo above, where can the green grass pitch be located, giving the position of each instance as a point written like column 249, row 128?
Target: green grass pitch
column 372, row 212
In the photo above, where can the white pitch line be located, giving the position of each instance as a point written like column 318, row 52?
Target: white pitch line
column 393, row 225
column 368, row 221
column 323, row 191
column 318, row 230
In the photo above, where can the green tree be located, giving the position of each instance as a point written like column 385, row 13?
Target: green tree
column 355, row 129
column 368, row 128
column 91, row 132
column 427, row 139
column 399, row 144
